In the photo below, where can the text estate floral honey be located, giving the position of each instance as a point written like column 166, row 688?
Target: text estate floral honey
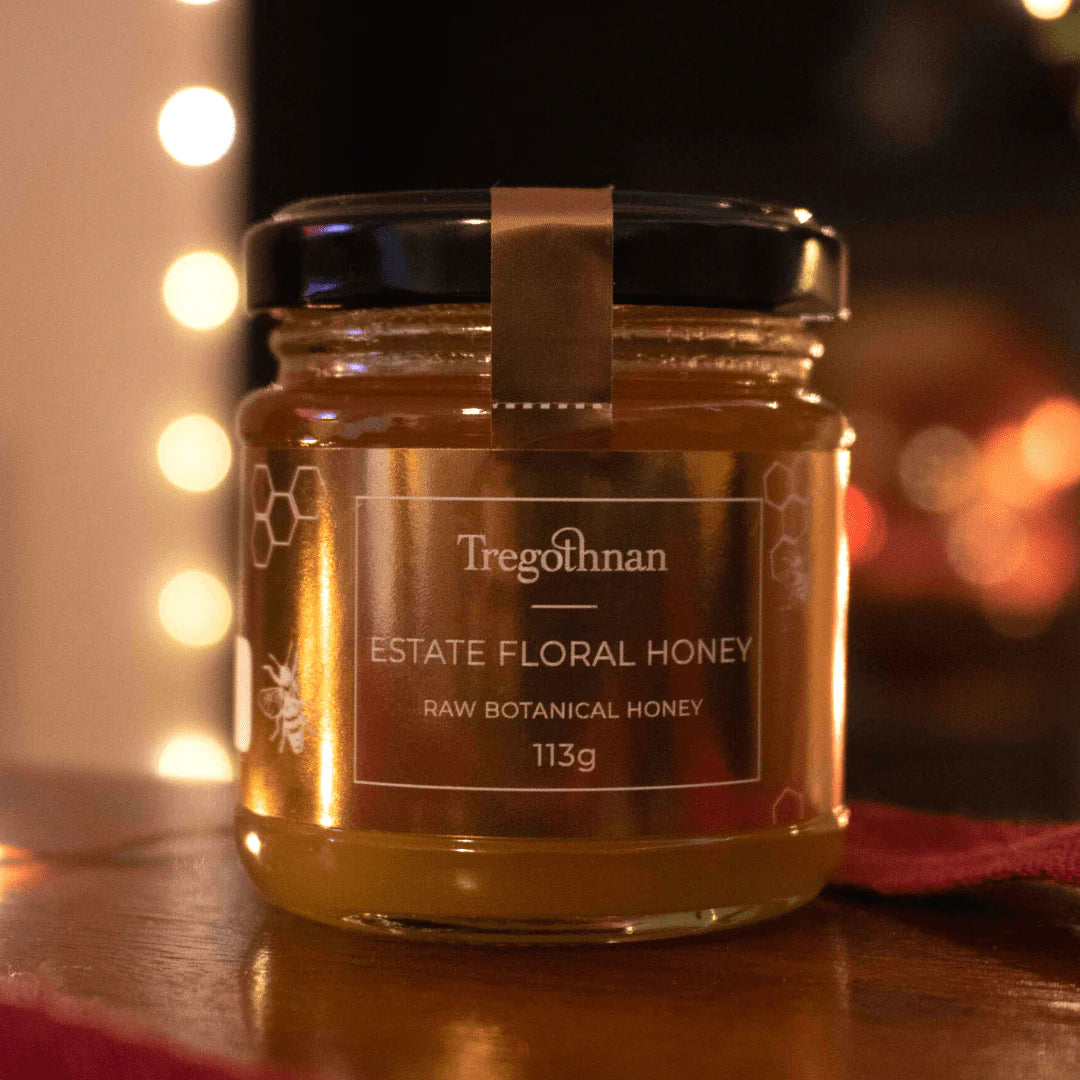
column 544, row 575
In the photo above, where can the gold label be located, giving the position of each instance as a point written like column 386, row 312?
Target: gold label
column 547, row 644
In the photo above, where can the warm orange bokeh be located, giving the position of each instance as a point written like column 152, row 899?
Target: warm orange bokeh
column 865, row 525
column 1004, row 472
column 1050, row 443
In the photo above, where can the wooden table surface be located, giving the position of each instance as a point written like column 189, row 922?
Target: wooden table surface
column 982, row 985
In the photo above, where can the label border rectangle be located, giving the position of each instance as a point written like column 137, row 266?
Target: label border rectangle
column 553, row 499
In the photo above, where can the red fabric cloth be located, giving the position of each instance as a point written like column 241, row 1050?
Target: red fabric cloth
column 49, row 1036
column 891, row 850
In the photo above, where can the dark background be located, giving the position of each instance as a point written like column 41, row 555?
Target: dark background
column 940, row 137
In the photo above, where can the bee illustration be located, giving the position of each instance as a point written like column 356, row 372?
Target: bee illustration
column 282, row 702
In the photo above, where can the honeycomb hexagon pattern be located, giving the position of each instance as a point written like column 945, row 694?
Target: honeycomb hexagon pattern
column 262, row 490
column 278, row 511
column 786, row 492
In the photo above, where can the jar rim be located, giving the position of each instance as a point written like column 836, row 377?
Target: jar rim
column 456, row 339
column 407, row 248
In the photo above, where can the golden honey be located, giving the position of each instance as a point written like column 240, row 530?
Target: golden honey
column 533, row 667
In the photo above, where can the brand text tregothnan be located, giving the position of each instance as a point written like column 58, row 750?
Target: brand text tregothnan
column 567, row 553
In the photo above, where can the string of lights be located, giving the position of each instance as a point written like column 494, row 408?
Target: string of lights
column 200, row 290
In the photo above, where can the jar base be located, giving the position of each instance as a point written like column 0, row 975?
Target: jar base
column 530, row 891
column 605, row 931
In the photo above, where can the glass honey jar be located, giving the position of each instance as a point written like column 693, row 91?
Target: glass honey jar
column 544, row 573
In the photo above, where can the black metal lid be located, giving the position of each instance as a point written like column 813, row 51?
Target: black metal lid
column 392, row 249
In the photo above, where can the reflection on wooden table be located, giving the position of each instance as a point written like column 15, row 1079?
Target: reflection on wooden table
column 978, row 985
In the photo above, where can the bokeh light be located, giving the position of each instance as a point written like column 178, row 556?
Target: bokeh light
column 987, row 544
column 194, row 453
column 195, row 608
column 937, row 469
column 1048, row 570
column 18, row 868
column 253, row 843
column 1050, row 443
column 201, row 290
column 193, row 756
column 1004, row 473
column 197, row 125
column 1047, row 9
column 865, row 526
column 9, row 854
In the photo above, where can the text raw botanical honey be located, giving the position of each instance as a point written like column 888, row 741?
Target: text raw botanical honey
column 544, row 573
